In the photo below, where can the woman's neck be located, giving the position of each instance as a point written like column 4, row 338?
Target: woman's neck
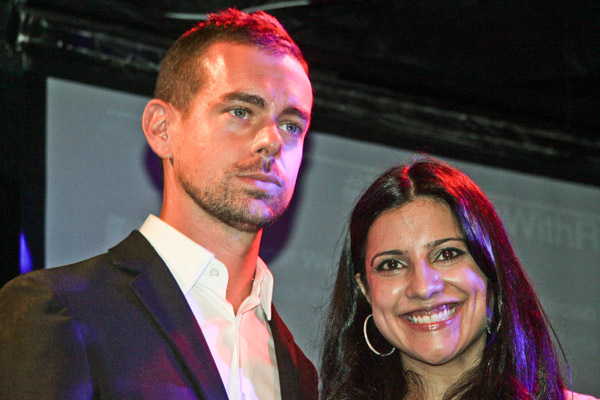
column 436, row 380
column 432, row 385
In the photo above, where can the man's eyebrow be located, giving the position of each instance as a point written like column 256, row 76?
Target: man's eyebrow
column 246, row 98
column 296, row 112
column 260, row 102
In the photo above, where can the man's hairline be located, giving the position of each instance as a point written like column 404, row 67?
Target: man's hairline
column 198, row 63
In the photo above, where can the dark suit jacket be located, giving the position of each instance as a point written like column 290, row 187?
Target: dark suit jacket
column 118, row 327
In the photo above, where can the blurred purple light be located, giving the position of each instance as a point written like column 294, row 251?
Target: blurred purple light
column 25, row 262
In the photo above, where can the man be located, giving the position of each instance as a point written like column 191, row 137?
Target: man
column 181, row 309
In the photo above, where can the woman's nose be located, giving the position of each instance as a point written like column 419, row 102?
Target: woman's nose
column 425, row 281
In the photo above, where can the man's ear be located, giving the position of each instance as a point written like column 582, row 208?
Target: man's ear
column 155, row 123
column 364, row 290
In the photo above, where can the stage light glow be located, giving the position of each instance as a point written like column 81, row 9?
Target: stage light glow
column 25, row 261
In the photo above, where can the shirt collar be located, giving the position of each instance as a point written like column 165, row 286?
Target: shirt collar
column 264, row 278
column 187, row 260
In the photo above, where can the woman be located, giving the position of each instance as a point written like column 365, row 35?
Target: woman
column 430, row 300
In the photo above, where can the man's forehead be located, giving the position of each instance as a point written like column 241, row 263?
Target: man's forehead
column 240, row 57
column 232, row 71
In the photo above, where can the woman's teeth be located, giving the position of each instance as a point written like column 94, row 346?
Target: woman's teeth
column 432, row 316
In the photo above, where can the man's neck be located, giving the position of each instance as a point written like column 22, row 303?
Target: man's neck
column 237, row 250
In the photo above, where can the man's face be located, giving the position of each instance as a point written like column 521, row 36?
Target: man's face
column 237, row 152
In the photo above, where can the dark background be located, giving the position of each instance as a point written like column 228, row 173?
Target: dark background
column 513, row 84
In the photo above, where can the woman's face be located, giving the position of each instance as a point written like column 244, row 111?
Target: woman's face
column 427, row 294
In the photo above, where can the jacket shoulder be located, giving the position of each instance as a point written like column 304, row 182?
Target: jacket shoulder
column 75, row 282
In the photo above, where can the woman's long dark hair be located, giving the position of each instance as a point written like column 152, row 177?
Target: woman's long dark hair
column 519, row 360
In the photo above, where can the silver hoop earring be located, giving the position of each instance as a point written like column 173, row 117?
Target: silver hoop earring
column 369, row 342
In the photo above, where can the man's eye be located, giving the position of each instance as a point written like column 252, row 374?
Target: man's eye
column 291, row 128
column 389, row 265
column 239, row 113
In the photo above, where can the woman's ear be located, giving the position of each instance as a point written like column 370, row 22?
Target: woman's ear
column 364, row 290
column 155, row 124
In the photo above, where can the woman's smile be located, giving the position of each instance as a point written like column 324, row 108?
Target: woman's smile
column 435, row 315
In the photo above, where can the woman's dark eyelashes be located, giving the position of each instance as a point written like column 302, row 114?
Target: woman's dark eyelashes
column 389, row 264
column 444, row 255
column 449, row 253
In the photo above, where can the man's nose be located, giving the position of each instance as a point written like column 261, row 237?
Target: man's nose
column 267, row 141
column 425, row 282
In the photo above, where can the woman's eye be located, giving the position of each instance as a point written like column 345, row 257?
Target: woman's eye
column 239, row 113
column 389, row 265
column 449, row 254
column 291, row 128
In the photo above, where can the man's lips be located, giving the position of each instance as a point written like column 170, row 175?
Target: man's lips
column 261, row 177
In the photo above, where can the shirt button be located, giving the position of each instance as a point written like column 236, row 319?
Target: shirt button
column 214, row 272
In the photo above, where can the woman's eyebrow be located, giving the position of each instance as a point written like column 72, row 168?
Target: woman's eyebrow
column 436, row 243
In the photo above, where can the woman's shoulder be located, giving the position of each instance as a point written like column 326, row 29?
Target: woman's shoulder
column 577, row 396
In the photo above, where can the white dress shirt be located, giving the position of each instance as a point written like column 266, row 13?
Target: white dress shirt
column 241, row 345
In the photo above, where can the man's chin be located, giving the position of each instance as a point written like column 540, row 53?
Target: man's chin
column 264, row 215
column 251, row 224
column 245, row 211
column 252, row 216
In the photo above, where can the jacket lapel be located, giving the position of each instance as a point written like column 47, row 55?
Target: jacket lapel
column 286, row 358
column 158, row 292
